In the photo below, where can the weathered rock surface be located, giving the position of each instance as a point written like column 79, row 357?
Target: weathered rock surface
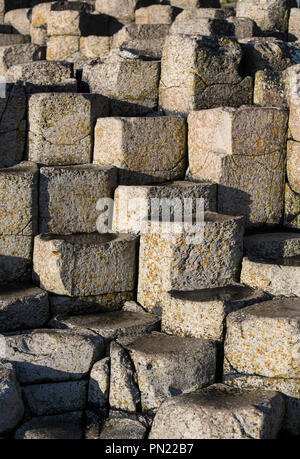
column 11, row 404
column 220, row 412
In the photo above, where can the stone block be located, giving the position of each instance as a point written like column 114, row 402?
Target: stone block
column 123, row 392
column 167, row 366
column 272, row 246
column 270, row 89
column 19, row 199
column 15, row 258
column 85, row 264
column 68, row 426
column 12, row 125
column 19, row 19
column 63, row 48
column 141, row 32
column 110, row 325
column 125, row 429
column 55, row 398
column 294, row 28
column 18, row 54
column 99, row 383
column 291, row 208
column 11, row 39
column 39, row 20
column 153, row 148
column 202, row 313
column 123, row 11
column 243, row 150
column 68, row 197
column 271, row 16
column 93, row 46
column 23, row 307
column 200, row 72
column 262, row 339
column 277, row 277
column 190, row 4
column 130, row 84
column 73, row 22
column 155, row 14
column 261, row 350
column 190, row 258
column 61, row 127
column 294, row 119
column 202, row 26
column 132, row 204
column 220, row 412
column 11, row 404
column 43, row 76
column 52, row 355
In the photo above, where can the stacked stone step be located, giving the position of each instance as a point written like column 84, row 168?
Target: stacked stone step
column 82, row 354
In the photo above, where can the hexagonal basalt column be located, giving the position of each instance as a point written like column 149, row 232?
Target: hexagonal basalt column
column 61, row 127
column 85, row 264
column 243, row 150
column 262, row 350
column 144, row 149
column 187, row 257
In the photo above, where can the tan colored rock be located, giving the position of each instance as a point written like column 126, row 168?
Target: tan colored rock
column 199, row 72
column 151, row 147
column 68, row 197
column 93, row 46
column 267, row 53
column 19, row 199
column 190, row 4
column 63, row 47
column 39, row 23
column 294, row 128
column 220, row 412
column 241, row 149
column 202, row 26
column 202, row 313
column 23, row 307
column 99, row 382
column 294, row 28
column 15, row 258
column 117, row 429
column 269, row 15
column 140, row 32
column 123, row 392
column 52, row 355
column 167, row 366
column 122, row 10
column 278, row 277
column 132, row 204
column 288, row 387
column 130, row 84
column 155, row 14
column 190, row 258
column 272, row 246
column 110, row 325
column 19, row 19
column 263, row 339
column 18, row 54
column 40, row 73
column 85, row 264
column 292, row 208
column 61, row 127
